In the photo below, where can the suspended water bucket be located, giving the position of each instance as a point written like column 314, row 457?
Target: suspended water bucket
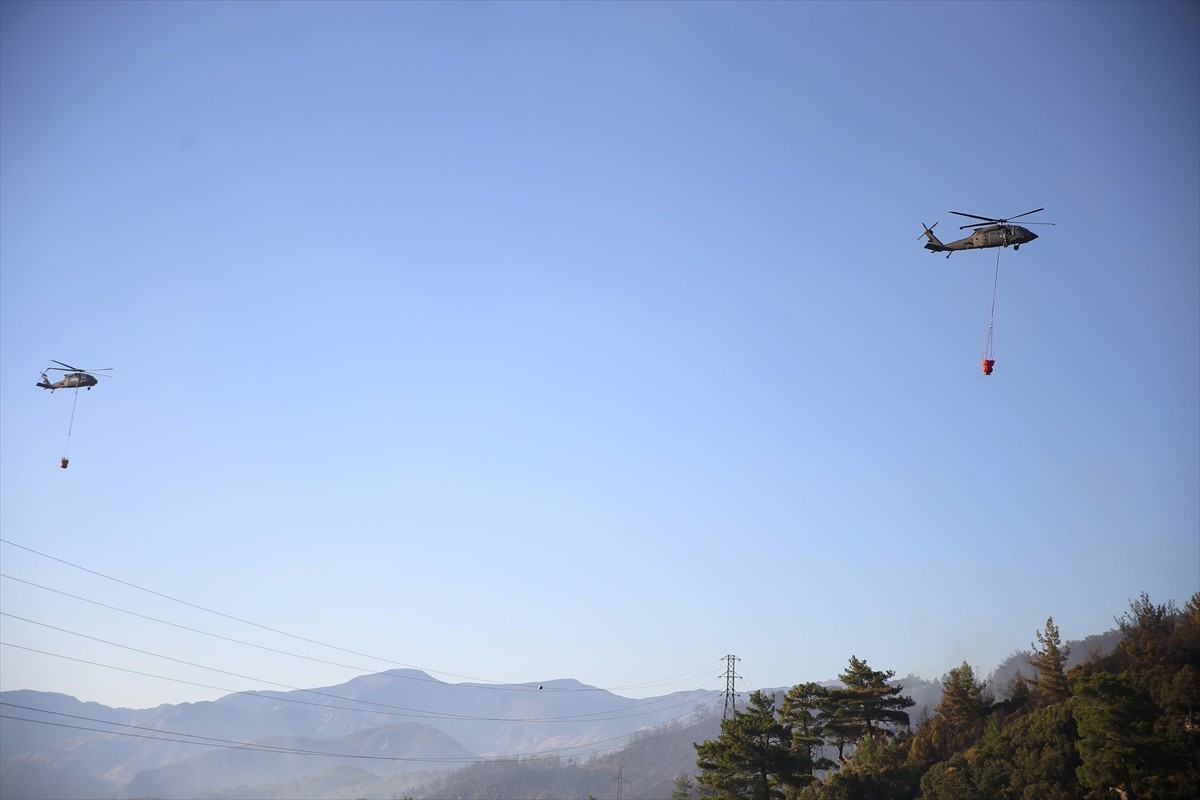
column 988, row 363
column 64, row 463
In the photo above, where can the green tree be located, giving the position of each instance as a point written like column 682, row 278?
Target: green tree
column 1139, row 709
column 1179, row 727
column 683, row 785
column 957, row 722
column 1116, row 727
column 1187, row 632
column 753, row 758
column 1050, row 661
column 879, row 771
column 1019, row 692
column 1147, row 634
column 867, row 705
column 950, row 780
column 964, row 704
column 1034, row 758
column 801, row 712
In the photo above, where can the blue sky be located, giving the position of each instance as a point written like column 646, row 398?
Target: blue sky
column 525, row 341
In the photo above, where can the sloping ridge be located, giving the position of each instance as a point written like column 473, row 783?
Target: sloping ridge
column 397, row 747
column 482, row 720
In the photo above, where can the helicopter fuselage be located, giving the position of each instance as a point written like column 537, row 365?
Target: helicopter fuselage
column 72, row 380
column 990, row 236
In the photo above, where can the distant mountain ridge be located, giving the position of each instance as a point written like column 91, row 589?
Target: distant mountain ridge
column 394, row 733
column 391, row 721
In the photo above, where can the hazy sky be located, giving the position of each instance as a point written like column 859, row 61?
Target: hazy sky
column 518, row 341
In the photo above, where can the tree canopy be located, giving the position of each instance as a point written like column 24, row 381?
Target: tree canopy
column 753, row 758
column 1126, row 724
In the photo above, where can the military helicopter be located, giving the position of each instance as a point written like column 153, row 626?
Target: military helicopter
column 989, row 233
column 74, row 378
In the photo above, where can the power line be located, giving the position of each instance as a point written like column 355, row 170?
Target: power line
column 483, row 683
column 363, row 670
column 417, row 714
column 229, row 744
column 214, row 611
column 390, row 708
column 209, row 741
column 186, row 627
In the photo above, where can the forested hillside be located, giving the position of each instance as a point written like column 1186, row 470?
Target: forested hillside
column 1123, row 724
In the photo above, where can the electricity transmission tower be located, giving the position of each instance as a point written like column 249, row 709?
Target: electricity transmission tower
column 731, row 677
column 620, row 781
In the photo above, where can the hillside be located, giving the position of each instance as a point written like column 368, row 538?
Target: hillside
column 379, row 724
column 397, row 747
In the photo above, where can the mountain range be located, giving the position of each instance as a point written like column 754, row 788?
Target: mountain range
column 54, row 746
column 391, row 734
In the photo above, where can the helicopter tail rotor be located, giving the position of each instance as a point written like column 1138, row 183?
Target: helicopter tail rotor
column 934, row 245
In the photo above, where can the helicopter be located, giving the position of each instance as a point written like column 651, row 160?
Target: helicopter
column 74, row 378
column 989, row 233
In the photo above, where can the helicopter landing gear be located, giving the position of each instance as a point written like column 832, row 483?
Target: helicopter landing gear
column 1016, row 247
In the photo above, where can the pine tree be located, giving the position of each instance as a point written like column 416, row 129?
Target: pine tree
column 866, row 706
column 682, row 787
column 801, row 712
column 1146, row 633
column 1033, row 757
column 753, row 758
column 964, row 703
column 1050, row 661
column 1116, row 734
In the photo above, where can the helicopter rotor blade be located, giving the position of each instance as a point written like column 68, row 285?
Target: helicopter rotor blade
column 978, row 225
column 1000, row 220
column 65, row 368
column 68, row 366
column 976, row 216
